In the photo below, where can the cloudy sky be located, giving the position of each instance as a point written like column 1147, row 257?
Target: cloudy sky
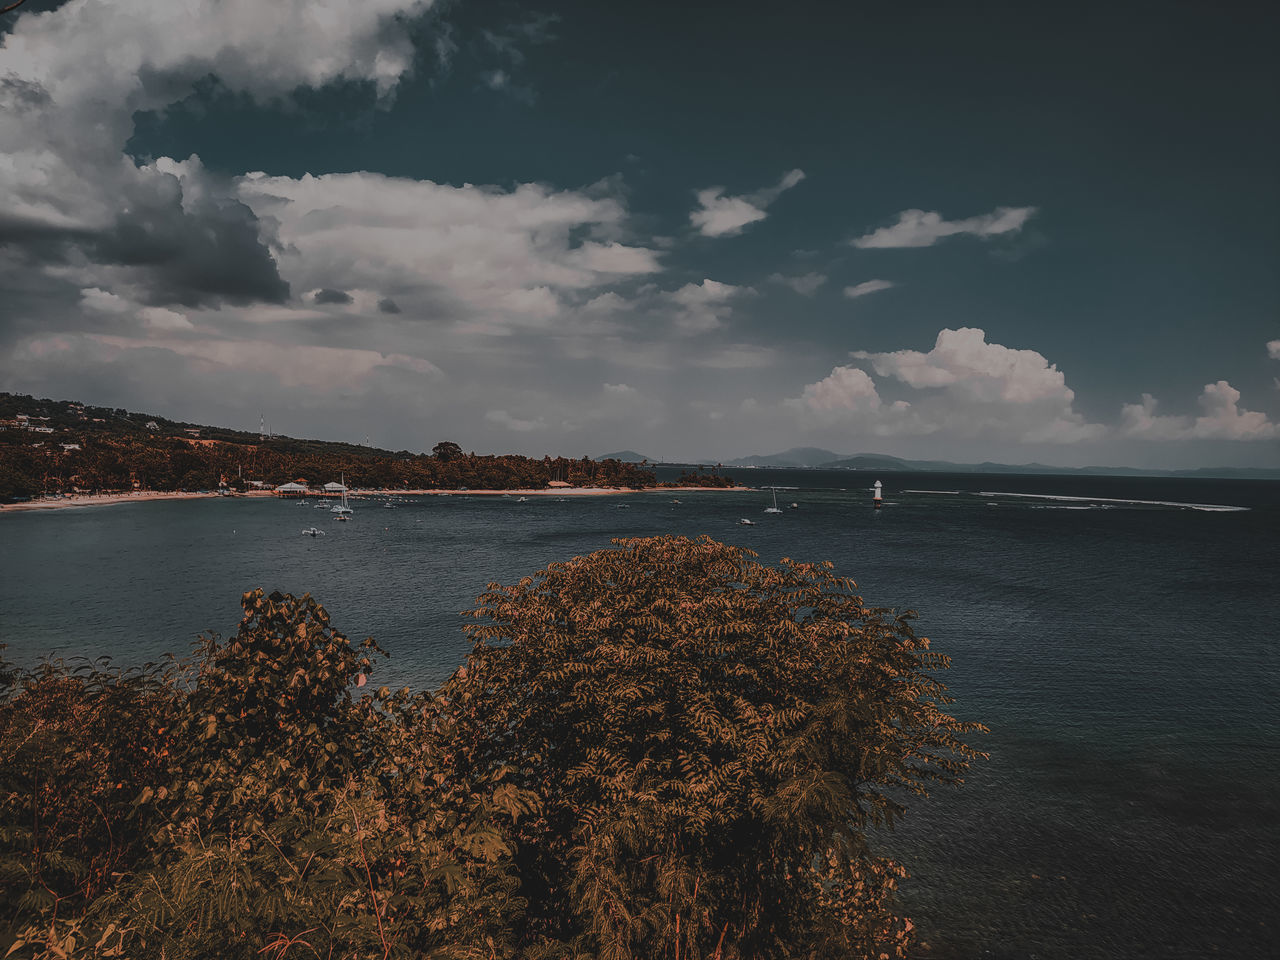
column 967, row 231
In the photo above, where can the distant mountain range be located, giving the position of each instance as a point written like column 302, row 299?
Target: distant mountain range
column 800, row 457
column 626, row 456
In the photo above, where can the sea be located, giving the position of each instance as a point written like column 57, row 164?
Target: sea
column 1120, row 637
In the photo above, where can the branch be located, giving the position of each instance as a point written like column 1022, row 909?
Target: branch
column 12, row 6
column 377, row 912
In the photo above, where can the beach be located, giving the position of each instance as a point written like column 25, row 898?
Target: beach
column 143, row 496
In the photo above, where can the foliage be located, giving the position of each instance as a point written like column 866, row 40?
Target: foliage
column 702, row 478
column 709, row 737
column 247, row 806
column 662, row 749
column 118, row 451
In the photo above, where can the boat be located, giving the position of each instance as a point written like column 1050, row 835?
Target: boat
column 774, row 508
column 622, row 506
column 747, row 523
column 523, row 500
column 795, row 506
column 342, row 510
column 312, row 532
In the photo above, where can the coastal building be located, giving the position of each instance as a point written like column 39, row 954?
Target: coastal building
column 295, row 489
column 334, row 488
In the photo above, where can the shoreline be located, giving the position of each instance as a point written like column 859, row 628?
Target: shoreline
column 148, row 496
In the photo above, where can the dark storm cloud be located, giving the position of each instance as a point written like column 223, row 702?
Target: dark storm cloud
column 36, row 240
column 211, row 255
column 388, row 305
column 327, row 295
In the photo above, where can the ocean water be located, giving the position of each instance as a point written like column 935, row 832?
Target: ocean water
column 1120, row 637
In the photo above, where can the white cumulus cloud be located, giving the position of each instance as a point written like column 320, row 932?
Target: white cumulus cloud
column 920, row 228
column 963, row 387
column 1221, row 419
column 718, row 215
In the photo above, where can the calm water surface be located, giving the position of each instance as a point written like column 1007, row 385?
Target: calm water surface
column 1123, row 654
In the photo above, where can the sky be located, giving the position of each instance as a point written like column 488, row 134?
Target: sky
column 986, row 231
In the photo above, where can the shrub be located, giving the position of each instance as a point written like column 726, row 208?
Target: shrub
column 709, row 738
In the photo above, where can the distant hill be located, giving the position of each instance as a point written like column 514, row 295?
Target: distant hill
column 816, row 457
column 626, row 456
column 795, row 457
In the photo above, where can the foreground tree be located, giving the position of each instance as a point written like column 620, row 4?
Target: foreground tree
column 710, row 738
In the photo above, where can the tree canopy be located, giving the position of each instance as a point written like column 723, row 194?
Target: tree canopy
column 709, row 737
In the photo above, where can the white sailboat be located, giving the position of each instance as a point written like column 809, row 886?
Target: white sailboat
column 774, row 508
column 343, row 511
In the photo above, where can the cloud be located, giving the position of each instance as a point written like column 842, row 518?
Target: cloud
column 867, row 286
column 703, row 307
column 497, row 258
column 619, row 389
column 963, row 387
column 721, row 216
column 917, row 228
column 806, row 284
column 295, row 366
column 504, row 419
column 387, row 305
column 169, row 231
column 1273, row 349
column 156, row 318
column 329, row 295
column 508, row 43
column 1222, row 419
column 844, row 390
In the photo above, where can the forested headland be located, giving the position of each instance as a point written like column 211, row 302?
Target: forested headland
column 662, row 749
column 60, row 446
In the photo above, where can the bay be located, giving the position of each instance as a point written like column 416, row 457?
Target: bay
column 1118, row 635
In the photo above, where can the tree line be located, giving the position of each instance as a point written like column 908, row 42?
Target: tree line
column 662, row 749
column 121, row 451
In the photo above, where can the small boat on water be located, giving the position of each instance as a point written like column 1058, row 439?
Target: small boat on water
column 774, row 508
column 342, row 510
column 622, row 506
column 795, row 506
column 747, row 523
column 523, row 500
column 312, row 532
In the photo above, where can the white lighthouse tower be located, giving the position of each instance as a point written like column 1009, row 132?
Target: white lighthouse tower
column 875, row 494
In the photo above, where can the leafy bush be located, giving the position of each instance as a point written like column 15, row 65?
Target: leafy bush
column 662, row 749
column 709, row 737
column 247, row 806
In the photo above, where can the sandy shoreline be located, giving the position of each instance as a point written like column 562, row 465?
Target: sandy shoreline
column 144, row 496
